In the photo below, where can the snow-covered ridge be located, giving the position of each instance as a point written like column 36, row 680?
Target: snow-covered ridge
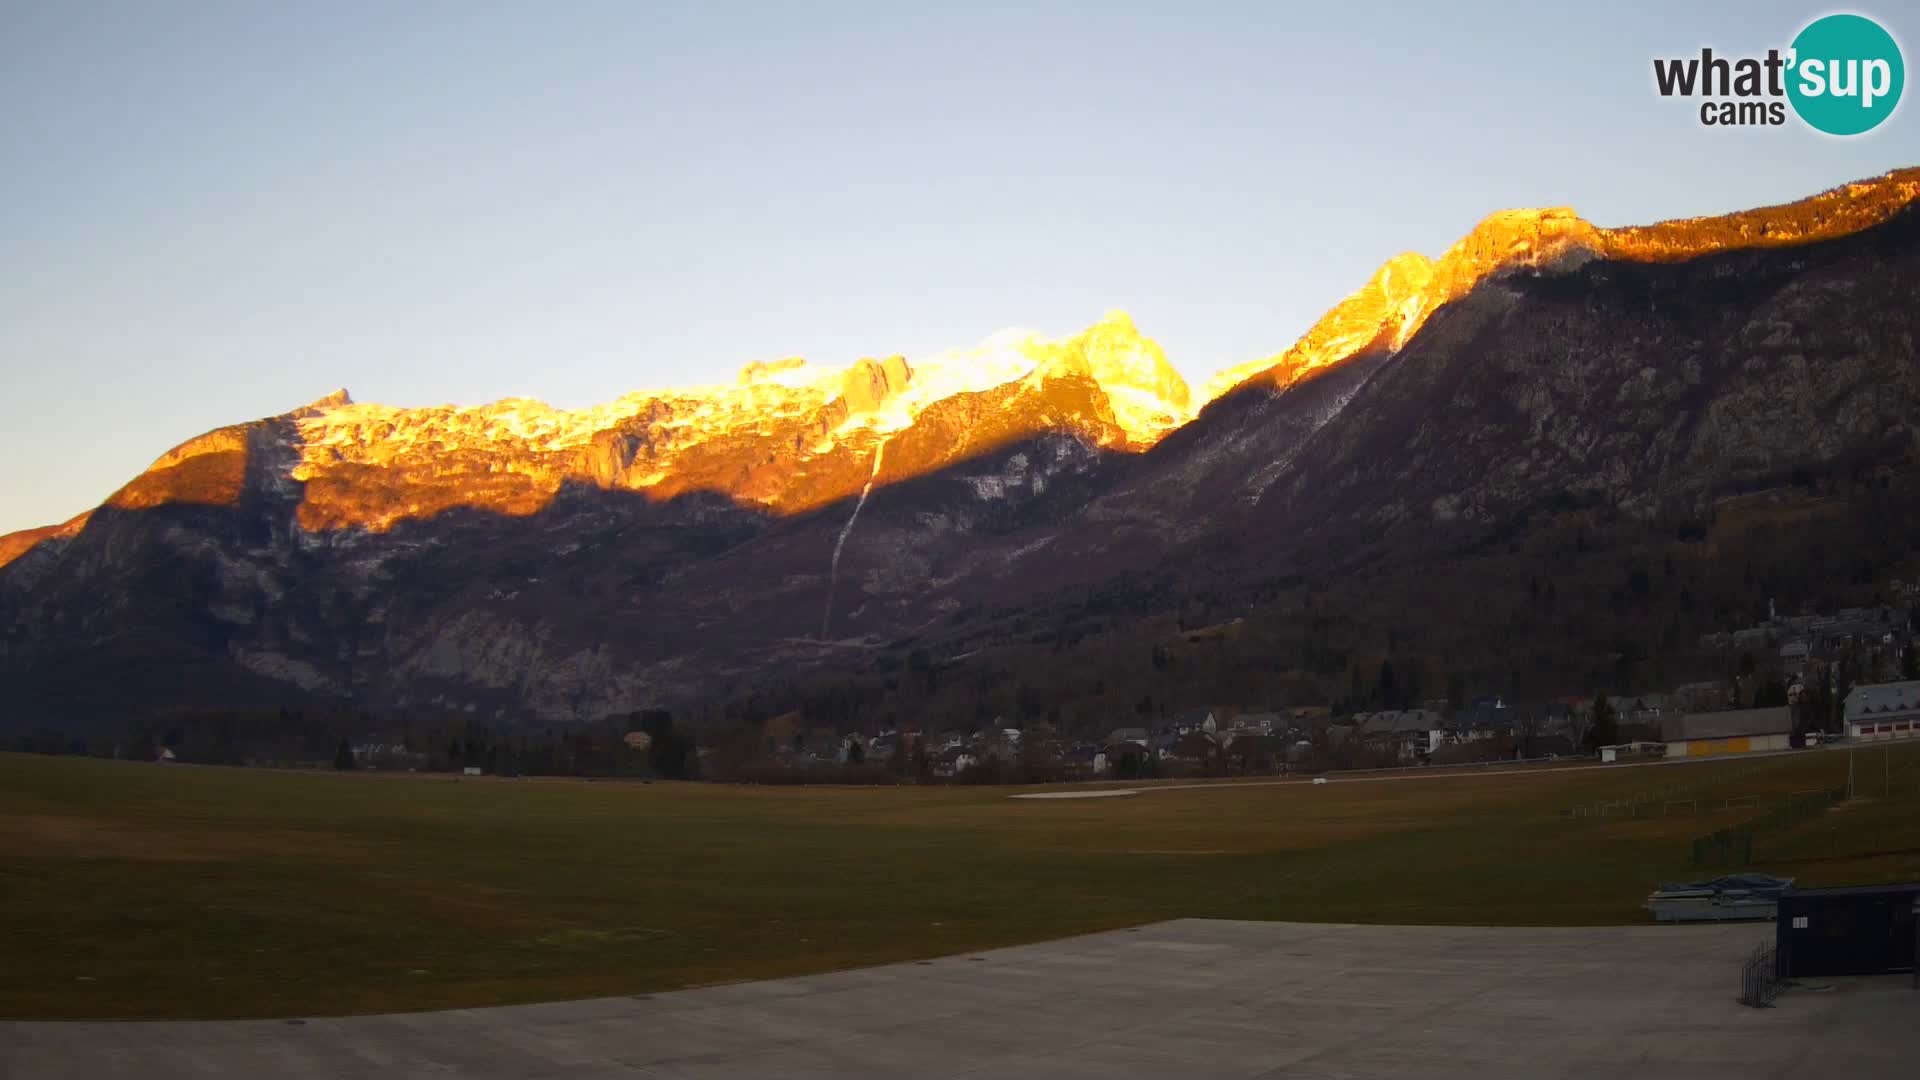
column 1148, row 397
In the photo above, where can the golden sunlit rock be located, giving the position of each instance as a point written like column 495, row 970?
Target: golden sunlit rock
column 790, row 436
column 14, row 545
column 787, row 434
column 1380, row 314
column 1387, row 311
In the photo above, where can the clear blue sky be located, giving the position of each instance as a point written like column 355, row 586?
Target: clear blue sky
column 214, row 212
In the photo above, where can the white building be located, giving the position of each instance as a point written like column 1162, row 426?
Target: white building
column 1884, row 711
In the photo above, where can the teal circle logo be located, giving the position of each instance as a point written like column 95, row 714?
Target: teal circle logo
column 1846, row 74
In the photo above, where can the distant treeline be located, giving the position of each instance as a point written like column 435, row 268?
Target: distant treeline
column 318, row 738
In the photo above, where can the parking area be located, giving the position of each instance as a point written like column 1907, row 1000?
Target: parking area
column 1190, row 997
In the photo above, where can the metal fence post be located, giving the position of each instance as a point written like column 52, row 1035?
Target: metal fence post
column 1760, row 978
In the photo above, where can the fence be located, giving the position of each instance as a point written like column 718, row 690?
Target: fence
column 1649, row 807
column 1883, row 768
column 1733, row 846
column 1760, row 978
column 1665, row 801
column 1847, row 840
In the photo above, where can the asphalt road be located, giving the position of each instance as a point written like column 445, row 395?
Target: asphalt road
column 1186, row 998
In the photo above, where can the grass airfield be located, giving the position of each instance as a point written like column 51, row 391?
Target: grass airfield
column 139, row 891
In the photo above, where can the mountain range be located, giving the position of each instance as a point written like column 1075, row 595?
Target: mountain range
column 518, row 562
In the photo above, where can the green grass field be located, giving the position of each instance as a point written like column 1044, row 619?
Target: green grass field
column 134, row 890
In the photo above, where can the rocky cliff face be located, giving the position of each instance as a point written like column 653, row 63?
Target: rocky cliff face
column 1380, row 315
column 1640, row 387
column 787, row 435
column 517, row 561
column 1397, row 301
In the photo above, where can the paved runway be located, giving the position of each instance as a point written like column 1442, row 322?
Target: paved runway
column 1186, row 998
